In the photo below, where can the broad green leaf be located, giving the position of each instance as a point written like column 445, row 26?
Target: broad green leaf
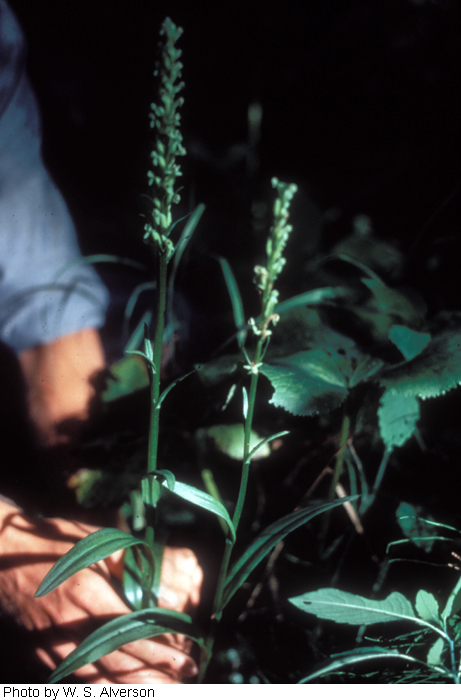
column 140, row 624
column 309, row 382
column 96, row 546
column 409, row 342
column 398, row 416
column 339, row 606
column 236, row 300
column 127, row 375
column 358, row 655
column 427, row 607
column 230, row 439
column 433, row 372
column 434, row 656
column 266, row 540
column 203, row 500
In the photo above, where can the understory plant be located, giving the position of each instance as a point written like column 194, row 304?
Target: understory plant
column 144, row 554
column 430, row 653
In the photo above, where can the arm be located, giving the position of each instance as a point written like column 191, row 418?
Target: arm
column 28, row 549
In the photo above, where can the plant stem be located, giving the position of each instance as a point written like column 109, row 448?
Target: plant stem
column 246, row 447
column 155, row 380
column 151, row 507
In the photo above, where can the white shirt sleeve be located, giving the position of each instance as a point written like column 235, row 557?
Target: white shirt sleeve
column 44, row 294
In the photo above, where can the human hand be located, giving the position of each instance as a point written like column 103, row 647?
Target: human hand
column 58, row 381
column 28, row 548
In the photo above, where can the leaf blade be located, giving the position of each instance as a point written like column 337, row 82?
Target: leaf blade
column 131, row 627
column 266, row 540
column 91, row 549
column 205, row 501
column 356, row 657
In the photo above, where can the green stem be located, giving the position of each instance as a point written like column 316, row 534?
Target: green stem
column 155, row 381
column 151, row 508
column 247, row 437
column 216, row 610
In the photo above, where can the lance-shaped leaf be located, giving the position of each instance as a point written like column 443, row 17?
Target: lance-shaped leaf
column 131, row 627
column 266, row 540
column 313, row 296
column 96, row 546
column 357, row 656
column 203, row 500
column 236, row 300
column 339, row 606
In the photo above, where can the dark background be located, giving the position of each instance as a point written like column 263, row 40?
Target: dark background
column 360, row 108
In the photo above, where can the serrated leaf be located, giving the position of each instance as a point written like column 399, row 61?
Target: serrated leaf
column 398, row 416
column 434, row 656
column 351, row 609
column 427, row 607
column 409, row 342
column 203, row 500
column 436, row 370
column 266, row 540
column 358, row 655
column 309, row 382
column 131, row 627
column 91, row 549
